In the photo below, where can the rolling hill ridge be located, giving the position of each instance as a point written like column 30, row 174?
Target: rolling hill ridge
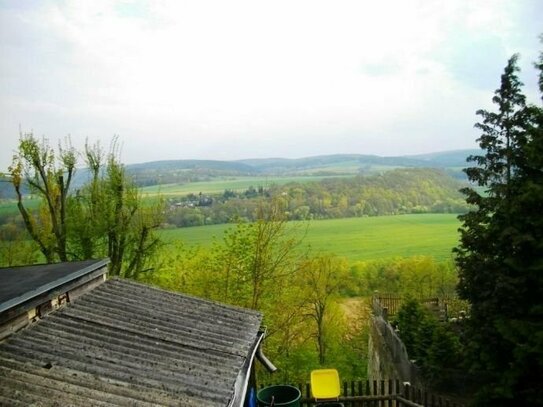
column 161, row 172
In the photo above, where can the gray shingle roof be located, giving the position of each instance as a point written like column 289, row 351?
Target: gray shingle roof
column 124, row 343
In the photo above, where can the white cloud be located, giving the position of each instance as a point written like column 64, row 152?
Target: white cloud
column 215, row 79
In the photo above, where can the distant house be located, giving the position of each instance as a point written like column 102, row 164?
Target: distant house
column 69, row 336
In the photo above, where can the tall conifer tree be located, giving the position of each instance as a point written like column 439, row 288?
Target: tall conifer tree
column 500, row 256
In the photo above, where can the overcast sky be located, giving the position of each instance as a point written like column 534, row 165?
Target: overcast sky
column 244, row 79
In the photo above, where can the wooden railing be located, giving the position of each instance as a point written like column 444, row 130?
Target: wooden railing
column 388, row 305
column 382, row 393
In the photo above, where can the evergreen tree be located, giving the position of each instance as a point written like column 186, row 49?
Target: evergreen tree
column 412, row 320
column 500, row 257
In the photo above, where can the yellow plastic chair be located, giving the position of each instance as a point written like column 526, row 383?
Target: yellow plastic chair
column 325, row 386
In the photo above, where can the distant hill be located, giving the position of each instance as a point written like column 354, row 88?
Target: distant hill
column 185, row 171
column 443, row 159
column 455, row 158
column 6, row 188
column 337, row 162
column 233, row 166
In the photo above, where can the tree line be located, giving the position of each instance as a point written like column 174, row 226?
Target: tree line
column 400, row 191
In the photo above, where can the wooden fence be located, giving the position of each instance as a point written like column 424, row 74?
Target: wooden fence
column 382, row 393
column 388, row 306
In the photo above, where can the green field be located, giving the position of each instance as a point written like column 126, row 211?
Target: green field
column 219, row 186
column 360, row 238
column 8, row 207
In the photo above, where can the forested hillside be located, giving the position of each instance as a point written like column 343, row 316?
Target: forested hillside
column 393, row 192
column 188, row 171
column 359, row 162
column 165, row 172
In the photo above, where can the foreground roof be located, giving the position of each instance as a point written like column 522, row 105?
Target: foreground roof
column 23, row 283
column 124, row 343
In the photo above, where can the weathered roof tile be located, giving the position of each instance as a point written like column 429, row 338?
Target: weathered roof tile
column 125, row 343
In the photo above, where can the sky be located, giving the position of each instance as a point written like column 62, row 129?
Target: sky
column 237, row 79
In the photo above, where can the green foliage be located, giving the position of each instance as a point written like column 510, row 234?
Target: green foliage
column 414, row 323
column 16, row 247
column 259, row 265
column 435, row 346
column 393, row 192
column 260, row 255
column 109, row 219
column 444, row 353
column 417, row 276
column 103, row 218
column 49, row 175
column 501, row 252
column 322, row 277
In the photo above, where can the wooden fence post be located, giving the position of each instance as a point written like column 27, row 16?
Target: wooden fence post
column 390, row 392
column 407, row 391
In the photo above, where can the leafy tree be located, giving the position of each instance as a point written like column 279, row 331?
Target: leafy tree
column 48, row 175
column 16, row 249
column 105, row 217
column 109, row 218
column 322, row 277
column 500, row 257
column 181, row 268
column 257, row 258
column 416, row 276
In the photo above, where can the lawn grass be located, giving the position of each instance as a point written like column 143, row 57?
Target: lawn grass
column 371, row 238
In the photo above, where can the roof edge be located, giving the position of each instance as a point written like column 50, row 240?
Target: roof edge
column 242, row 381
column 52, row 285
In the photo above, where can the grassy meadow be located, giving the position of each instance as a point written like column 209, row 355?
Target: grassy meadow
column 379, row 237
column 232, row 183
column 8, row 207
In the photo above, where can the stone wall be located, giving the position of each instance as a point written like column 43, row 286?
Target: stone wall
column 387, row 356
